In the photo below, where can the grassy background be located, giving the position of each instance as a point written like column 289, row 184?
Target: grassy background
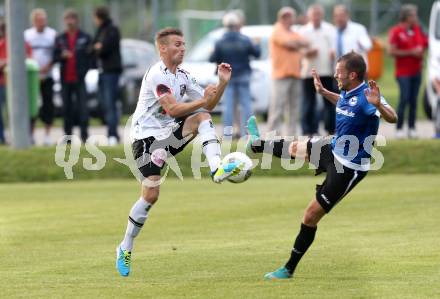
column 38, row 164
column 216, row 241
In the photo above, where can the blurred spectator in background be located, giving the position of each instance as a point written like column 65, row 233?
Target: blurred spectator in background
column 436, row 83
column 350, row 36
column 285, row 49
column 106, row 45
column 407, row 45
column 2, row 79
column 320, row 56
column 3, row 64
column 73, row 52
column 42, row 39
column 236, row 49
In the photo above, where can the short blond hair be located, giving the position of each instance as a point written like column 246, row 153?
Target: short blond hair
column 35, row 12
column 162, row 35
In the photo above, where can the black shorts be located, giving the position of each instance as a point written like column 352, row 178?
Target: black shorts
column 339, row 180
column 150, row 154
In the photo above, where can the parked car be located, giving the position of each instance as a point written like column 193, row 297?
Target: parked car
column 137, row 57
column 430, row 98
column 197, row 63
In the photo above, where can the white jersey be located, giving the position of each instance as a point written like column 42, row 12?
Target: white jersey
column 149, row 118
column 323, row 39
column 42, row 44
column 354, row 38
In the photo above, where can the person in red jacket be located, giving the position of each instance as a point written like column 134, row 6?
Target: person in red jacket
column 3, row 62
column 408, row 44
column 73, row 51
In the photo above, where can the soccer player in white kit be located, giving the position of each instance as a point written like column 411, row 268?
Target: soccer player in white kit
column 163, row 124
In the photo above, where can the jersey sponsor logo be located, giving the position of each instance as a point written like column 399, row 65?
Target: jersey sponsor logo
column 345, row 112
column 353, row 101
column 162, row 89
column 182, row 89
column 161, row 111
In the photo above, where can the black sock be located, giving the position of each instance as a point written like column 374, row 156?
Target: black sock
column 302, row 243
column 273, row 147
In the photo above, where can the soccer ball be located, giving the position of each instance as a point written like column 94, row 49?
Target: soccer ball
column 245, row 173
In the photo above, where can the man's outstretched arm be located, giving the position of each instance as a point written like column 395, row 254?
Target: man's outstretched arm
column 330, row 96
column 175, row 109
column 373, row 97
column 224, row 75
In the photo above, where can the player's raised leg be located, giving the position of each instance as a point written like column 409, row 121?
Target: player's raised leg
column 252, row 130
column 136, row 219
column 201, row 124
column 280, row 148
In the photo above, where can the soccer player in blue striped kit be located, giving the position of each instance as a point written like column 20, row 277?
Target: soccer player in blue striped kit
column 344, row 157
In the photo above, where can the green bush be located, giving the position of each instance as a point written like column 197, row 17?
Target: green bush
column 38, row 164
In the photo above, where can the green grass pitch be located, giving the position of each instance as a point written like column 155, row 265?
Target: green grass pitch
column 57, row 240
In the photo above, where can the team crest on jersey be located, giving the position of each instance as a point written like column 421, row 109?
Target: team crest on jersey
column 162, row 89
column 182, row 89
column 353, row 101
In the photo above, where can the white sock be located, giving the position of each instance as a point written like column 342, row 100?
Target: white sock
column 136, row 219
column 210, row 144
